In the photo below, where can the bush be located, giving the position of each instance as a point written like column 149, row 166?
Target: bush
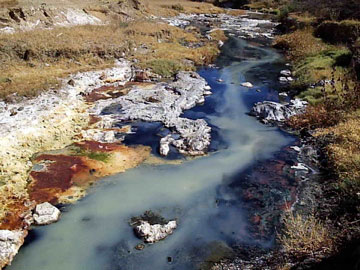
column 339, row 32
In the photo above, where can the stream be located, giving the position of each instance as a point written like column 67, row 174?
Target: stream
column 201, row 194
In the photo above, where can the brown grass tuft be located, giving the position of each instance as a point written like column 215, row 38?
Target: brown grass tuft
column 305, row 236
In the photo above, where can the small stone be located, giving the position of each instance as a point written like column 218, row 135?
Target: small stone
column 219, row 80
column 300, row 167
column 296, row 148
column 247, row 84
column 283, row 80
column 45, row 213
column 71, row 82
column 140, row 246
column 283, row 94
column 285, row 72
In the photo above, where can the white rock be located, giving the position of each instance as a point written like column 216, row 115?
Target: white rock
column 286, row 72
column 296, row 148
column 283, row 79
column 270, row 111
column 300, row 167
column 46, row 213
column 10, row 242
column 171, row 100
column 283, row 94
column 247, row 84
column 290, row 79
column 156, row 232
column 221, row 43
column 165, row 145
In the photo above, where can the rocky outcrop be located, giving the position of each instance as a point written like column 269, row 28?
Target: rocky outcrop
column 10, row 242
column 45, row 214
column 273, row 112
column 165, row 102
column 156, row 232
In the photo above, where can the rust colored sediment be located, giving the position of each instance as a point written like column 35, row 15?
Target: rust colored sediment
column 66, row 176
column 57, row 178
column 14, row 220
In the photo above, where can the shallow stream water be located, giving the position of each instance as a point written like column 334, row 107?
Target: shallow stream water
column 95, row 233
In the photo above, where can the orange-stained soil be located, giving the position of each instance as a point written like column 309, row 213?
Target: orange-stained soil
column 15, row 219
column 66, row 177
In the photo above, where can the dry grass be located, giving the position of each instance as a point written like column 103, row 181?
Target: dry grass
column 300, row 44
column 305, row 236
column 8, row 3
column 344, row 151
column 166, row 8
column 32, row 61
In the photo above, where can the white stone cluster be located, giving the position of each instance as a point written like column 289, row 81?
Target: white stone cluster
column 155, row 233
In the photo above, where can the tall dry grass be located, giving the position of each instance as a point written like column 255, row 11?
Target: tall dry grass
column 305, row 235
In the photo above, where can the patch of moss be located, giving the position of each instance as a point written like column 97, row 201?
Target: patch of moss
column 164, row 67
column 99, row 156
column 320, row 66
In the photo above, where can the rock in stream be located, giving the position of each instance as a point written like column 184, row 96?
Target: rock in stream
column 165, row 102
column 270, row 112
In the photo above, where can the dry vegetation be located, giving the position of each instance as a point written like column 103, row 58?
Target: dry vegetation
column 32, row 62
column 8, row 3
column 305, row 235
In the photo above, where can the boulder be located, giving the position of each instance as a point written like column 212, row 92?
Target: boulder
column 45, row 214
column 269, row 111
column 10, row 242
column 156, row 232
